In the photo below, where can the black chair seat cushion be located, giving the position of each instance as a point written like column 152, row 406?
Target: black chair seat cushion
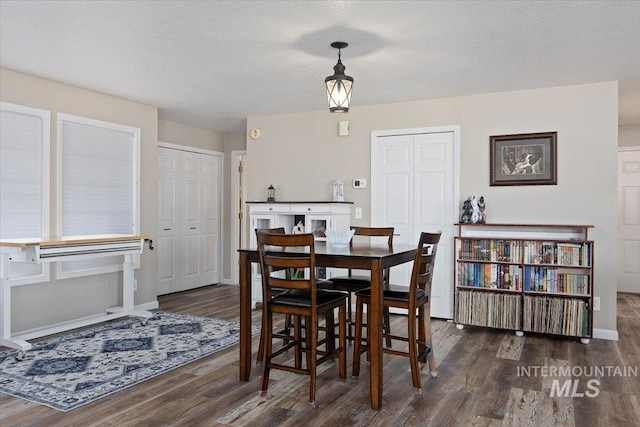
column 302, row 298
column 352, row 279
column 394, row 293
column 323, row 283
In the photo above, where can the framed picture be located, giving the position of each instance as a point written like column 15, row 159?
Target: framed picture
column 526, row 159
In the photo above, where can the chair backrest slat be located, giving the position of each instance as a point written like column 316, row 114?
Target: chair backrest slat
column 287, row 262
column 374, row 232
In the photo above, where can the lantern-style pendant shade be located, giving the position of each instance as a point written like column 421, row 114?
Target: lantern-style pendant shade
column 339, row 85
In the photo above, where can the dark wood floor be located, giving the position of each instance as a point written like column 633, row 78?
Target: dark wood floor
column 480, row 383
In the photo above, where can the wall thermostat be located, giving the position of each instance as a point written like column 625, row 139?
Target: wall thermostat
column 359, row 183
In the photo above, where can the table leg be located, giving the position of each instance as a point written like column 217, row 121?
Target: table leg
column 375, row 334
column 5, row 298
column 245, row 316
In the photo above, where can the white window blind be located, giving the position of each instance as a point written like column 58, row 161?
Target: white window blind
column 98, row 190
column 24, row 182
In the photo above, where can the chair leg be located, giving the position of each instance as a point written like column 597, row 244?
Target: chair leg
column 287, row 330
column 260, row 357
column 312, row 359
column 366, row 337
column 422, row 347
column 268, row 345
column 413, row 350
column 387, row 326
column 358, row 337
column 342, row 336
column 331, row 333
column 308, row 326
column 297, row 336
column 288, row 321
column 426, row 320
column 349, row 317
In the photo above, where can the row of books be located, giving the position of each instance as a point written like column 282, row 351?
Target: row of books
column 490, row 250
column 562, row 316
column 494, row 276
column 571, row 254
column 496, row 310
column 545, row 279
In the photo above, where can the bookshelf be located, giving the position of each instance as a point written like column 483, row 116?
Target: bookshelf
column 525, row 277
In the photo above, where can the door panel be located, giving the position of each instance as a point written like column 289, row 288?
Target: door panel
column 191, row 259
column 210, row 224
column 434, row 171
column 629, row 221
column 415, row 175
column 168, row 234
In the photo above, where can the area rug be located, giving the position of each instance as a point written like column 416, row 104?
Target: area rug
column 74, row 369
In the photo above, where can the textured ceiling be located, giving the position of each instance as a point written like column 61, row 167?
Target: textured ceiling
column 213, row 63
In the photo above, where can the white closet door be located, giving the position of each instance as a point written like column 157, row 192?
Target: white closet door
column 189, row 241
column 433, row 204
column 413, row 190
column 191, row 226
column 629, row 221
column 167, row 240
column 201, row 242
column 392, row 181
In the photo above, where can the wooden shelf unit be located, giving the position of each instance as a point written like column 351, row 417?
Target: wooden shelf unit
column 525, row 277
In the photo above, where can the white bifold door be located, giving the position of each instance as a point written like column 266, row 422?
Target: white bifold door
column 189, row 201
column 629, row 221
column 414, row 189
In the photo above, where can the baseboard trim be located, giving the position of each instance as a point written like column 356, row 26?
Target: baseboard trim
column 151, row 305
column 605, row 334
column 227, row 282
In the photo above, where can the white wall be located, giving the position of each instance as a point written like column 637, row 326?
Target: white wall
column 301, row 154
column 176, row 133
column 629, row 136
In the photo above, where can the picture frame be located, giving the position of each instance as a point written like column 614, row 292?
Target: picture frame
column 524, row 159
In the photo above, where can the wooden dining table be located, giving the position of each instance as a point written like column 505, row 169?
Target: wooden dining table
column 373, row 257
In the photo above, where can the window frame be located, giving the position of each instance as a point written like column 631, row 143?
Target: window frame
column 61, row 271
column 45, row 116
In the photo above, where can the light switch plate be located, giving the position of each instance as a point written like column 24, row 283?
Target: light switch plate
column 343, row 128
column 358, row 214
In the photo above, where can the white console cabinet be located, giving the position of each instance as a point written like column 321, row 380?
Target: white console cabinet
column 315, row 217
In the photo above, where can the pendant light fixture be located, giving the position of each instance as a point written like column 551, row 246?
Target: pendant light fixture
column 339, row 85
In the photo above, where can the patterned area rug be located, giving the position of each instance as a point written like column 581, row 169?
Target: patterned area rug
column 72, row 370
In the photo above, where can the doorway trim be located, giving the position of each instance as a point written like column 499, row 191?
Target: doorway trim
column 236, row 222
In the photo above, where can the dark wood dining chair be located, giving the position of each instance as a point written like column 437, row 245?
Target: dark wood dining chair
column 416, row 298
column 300, row 298
column 285, row 332
column 352, row 283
